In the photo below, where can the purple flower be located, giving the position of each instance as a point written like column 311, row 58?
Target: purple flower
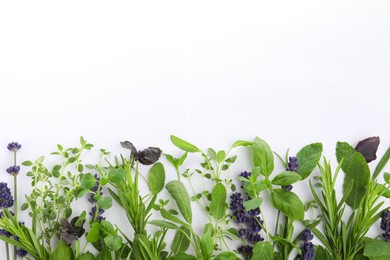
column 13, row 170
column 246, row 251
column 385, row 225
column 307, row 246
column 6, row 199
column 95, row 190
column 292, row 167
column 21, row 253
column 99, row 216
column 5, row 233
column 14, row 146
column 236, row 205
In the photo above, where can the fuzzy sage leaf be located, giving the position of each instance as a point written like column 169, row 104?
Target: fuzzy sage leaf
column 218, row 201
column 179, row 193
column 156, row 178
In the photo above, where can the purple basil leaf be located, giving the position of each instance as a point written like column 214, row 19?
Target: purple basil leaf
column 149, row 155
column 368, row 148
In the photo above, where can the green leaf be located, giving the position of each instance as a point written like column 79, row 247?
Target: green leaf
column 94, row 233
column 287, row 202
column 207, row 246
column 253, row 189
column 106, row 228
column 184, row 145
column 86, row 256
column 87, row 181
column 308, row 158
column 377, row 248
column 241, row 143
column 179, row 193
column 263, row 156
column 104, row 255
column 320, row 253
column 156, row 178
column 386, row 176
column 114, row 242
column 218, row 201
column 27, row 163
column 181, row 240
column 286, row 178
column 116, row 175
column 344, row 152
column 226, row 256
column 212, row 153
column 263, row 250
column 105, row 203
column 163, row 224
column 220, row 156
column 62, row 251
column 253, row 203
column 382, row 163
column 357, row 171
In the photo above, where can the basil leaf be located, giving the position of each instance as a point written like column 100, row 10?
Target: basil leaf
column 263, row 156
column 286, row 178
column 308, row 158
column 62, row 251
column 287, row 202
column 263, row 250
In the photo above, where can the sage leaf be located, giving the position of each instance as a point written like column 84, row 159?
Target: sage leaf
column 179, row 193
column 181, row 240
column 156, row 178
column 218, row 201
column 184, row 145
column 226, row 256
column 308, row 158
column 287, row 202
column 263, row 250
column 286, row 178
column 263, row 156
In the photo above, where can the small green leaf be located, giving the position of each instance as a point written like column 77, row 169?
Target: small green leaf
column 386, row 176
column 382, row 163
column 179, row 193
column 207, row 246
column 62, row 251
column 220, row 156
column 263, row 156
column 218, row 201
column 114, row 242
column 116, row 175
column 241, row 143
column 181, row 241
column 253, row 203
column 308, row 158
column 94, row 233
column 182, row 256
column 286, row 178
column 344, row 152
column 287, row 202
column 106, row 228
column 24, row 206
column 27, row 163
column 377, row 248
column 87, row 181
column 163, row 224
column 212, row 153
column 263, row 250
column 156, row 178
column 105, row 203
column 184, row 145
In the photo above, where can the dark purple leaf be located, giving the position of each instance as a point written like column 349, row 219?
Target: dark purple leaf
column 368, row 148
column 149, row 155
column 130, row 146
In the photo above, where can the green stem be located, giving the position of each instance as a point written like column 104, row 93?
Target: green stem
column 7, row 250
column 277, row 225
column 15, row 199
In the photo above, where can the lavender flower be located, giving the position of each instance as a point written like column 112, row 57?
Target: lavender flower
column 6, row 199
column 236, row 205
column 307, row 246
column 99, row 216
column 94, row 189
column 14, row 146
column 13, row 170
column 292, row 167
column 246, row 251
column 385, row 225
column 21, row 252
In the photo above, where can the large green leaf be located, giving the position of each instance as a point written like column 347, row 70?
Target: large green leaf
column 263, row 250
column 377, row 248
column 62, row 251
column 179, row 193
column 344, row 152
column 263, row 156
column 226, row 256
column 156, row 178
column 181, row 240
column 308, row 158
column 287, row 202
column 218, row 201
column 320, row 253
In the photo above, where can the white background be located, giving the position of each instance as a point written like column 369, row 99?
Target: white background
column 291, row 72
